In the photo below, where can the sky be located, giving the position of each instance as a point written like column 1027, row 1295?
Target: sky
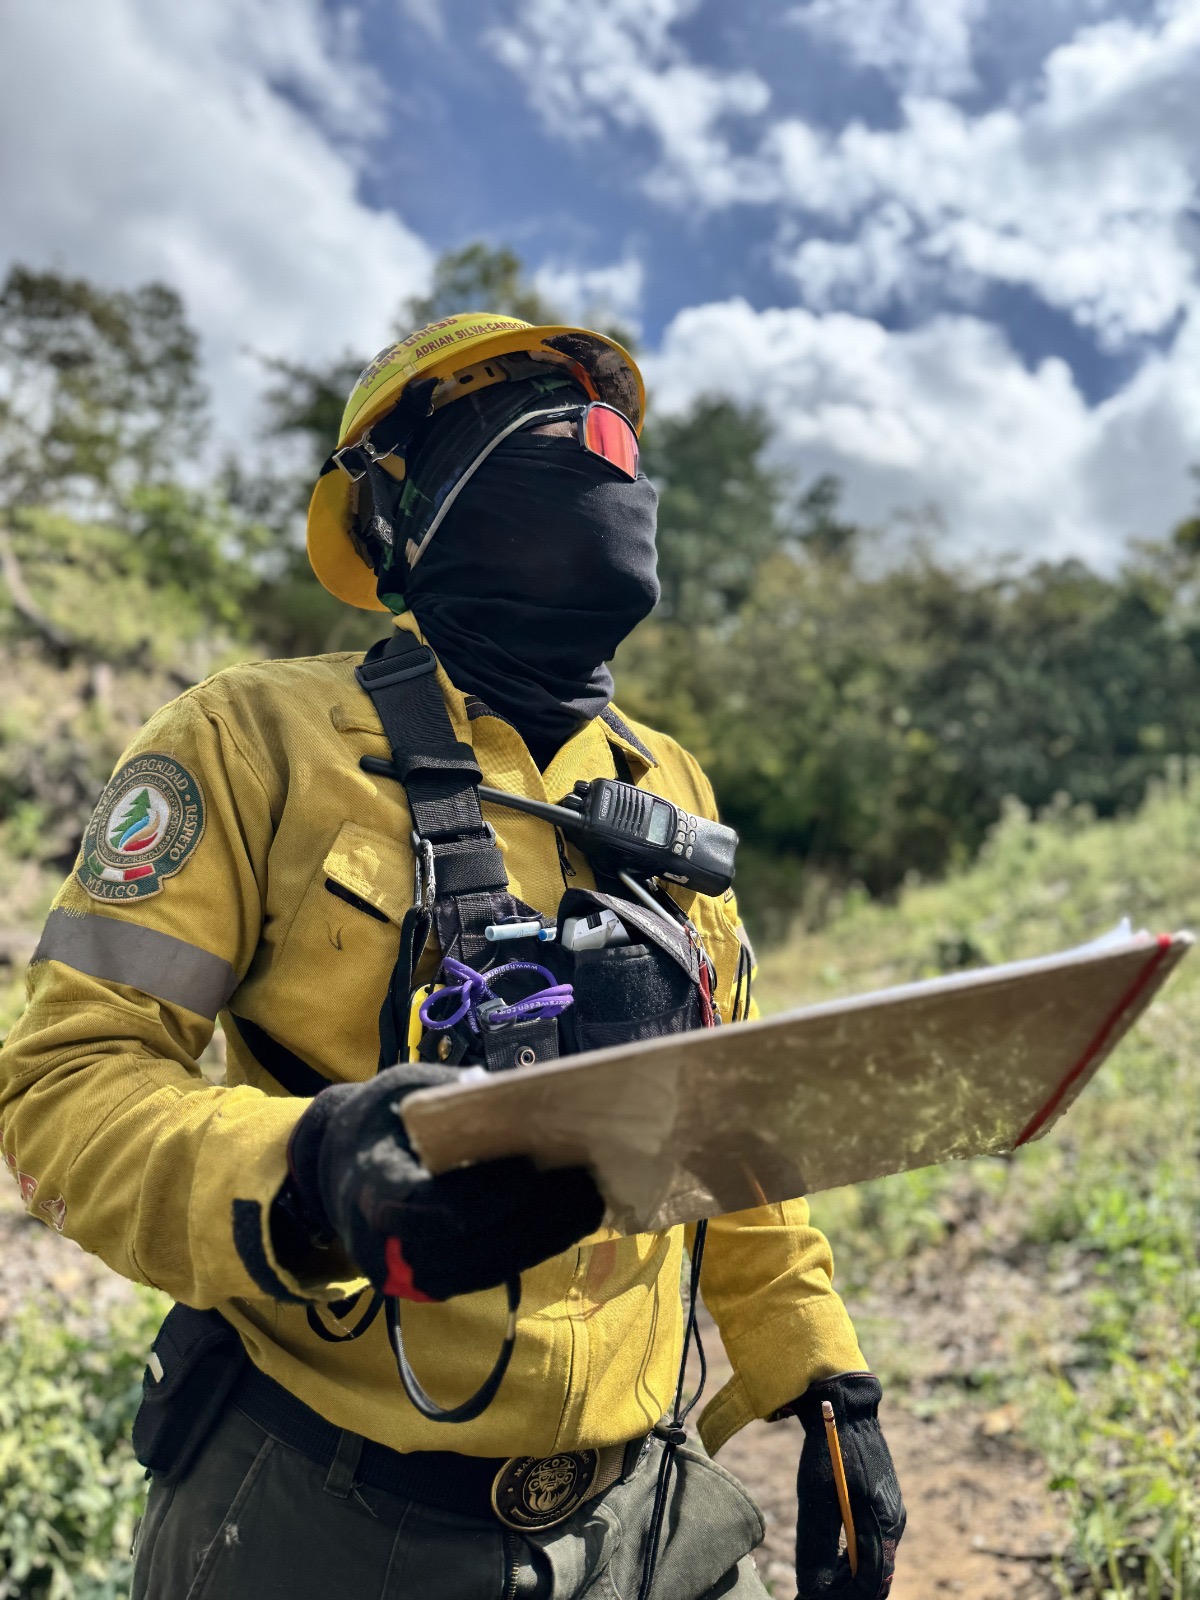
column 951, row 246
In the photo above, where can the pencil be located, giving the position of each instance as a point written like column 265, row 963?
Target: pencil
column 843, row 1491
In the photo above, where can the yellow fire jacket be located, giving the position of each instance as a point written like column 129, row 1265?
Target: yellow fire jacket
column 241, row 864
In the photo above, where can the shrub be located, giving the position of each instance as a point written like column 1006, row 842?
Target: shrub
column 70, row 1489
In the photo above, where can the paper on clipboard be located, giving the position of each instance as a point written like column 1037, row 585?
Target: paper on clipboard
column 703, row 1123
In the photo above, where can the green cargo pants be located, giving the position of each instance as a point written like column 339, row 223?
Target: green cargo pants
column 256, row 1520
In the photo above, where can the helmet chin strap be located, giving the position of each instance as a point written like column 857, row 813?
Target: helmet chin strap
column 390, row 435
column 373, row 528
column 376, row 514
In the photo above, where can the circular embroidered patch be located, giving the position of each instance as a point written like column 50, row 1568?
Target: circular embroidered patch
column 147, row 823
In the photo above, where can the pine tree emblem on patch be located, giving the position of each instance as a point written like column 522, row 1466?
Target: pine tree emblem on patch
column 147, row 823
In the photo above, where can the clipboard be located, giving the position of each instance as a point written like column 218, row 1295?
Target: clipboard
column 699, row 1124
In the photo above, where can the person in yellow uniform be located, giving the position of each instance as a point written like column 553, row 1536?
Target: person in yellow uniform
column 301, row 849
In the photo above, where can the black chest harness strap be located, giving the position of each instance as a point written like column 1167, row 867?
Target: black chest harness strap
column 461, row 883
column 440, row 776
column 461, row 886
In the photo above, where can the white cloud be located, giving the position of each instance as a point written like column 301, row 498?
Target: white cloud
column 923, row 45
column 218, row 147
column 213, row 146
column 612, row 293
column 869, row 271
column 946, row 415
column 1084, row 195
column 1081, row 189
column 616, row 62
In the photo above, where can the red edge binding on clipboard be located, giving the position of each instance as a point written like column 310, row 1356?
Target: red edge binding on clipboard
column 1098, row 1043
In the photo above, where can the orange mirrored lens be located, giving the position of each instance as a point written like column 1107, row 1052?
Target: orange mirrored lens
column 607, row 433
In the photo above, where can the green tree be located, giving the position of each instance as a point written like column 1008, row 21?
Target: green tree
column 479, row 277
column 99, row 390
column 720, row 507
column 819, row 526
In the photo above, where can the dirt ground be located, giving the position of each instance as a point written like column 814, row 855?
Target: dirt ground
column 979, row 1520
column 980, row 1523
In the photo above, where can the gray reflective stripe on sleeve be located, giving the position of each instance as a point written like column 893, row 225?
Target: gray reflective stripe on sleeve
column 126, row 952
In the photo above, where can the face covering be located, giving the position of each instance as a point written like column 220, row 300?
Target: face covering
column 543, row 564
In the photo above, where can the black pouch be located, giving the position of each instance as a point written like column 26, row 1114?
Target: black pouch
column 195, row 1361
column 627, row 993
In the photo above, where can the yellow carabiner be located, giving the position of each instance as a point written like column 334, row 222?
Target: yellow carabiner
column 416, row 1027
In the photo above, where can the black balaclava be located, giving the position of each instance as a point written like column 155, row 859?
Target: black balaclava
column 542, row 565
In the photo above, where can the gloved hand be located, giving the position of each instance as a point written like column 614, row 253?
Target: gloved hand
column 875, row 1501
column 353, row 1177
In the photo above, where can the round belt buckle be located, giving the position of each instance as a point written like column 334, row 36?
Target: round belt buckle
column 531, row 1492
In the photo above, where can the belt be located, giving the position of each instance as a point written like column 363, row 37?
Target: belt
column 523, row 1492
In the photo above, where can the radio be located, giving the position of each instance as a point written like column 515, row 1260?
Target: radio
column 621, row 828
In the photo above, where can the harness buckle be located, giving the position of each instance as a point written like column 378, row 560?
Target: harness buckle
column 425, row 884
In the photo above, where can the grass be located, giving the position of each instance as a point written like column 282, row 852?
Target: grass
column 1083, row 1248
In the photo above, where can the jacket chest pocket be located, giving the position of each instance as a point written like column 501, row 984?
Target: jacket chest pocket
column 333, row 969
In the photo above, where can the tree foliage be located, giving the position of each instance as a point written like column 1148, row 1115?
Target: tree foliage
column 479, row 277
column 70, row 1490
column 868, row 712
column 719, row 509
column 99, row 390
column 864, row 707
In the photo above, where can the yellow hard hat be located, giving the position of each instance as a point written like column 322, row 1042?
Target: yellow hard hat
column 462, row 354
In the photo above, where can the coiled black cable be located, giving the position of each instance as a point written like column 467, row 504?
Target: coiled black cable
column 484, row 1395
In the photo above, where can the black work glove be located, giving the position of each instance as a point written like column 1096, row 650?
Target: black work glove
column 353, row 1177
column 875, row 1501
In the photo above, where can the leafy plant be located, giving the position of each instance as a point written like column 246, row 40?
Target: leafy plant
column 70, row 1489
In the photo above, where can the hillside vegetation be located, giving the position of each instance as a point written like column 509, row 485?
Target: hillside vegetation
column 864, row 701
column 1061, row 1285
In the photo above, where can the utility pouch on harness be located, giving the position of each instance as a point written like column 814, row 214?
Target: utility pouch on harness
column 195, row 1360
column 642, row 985
column 642, row 989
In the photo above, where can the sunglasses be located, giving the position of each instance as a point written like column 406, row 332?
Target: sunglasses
column 600, row 429
column 608, row 433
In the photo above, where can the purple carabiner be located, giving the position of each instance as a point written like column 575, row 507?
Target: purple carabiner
column 471, row 990
column 474, row 990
